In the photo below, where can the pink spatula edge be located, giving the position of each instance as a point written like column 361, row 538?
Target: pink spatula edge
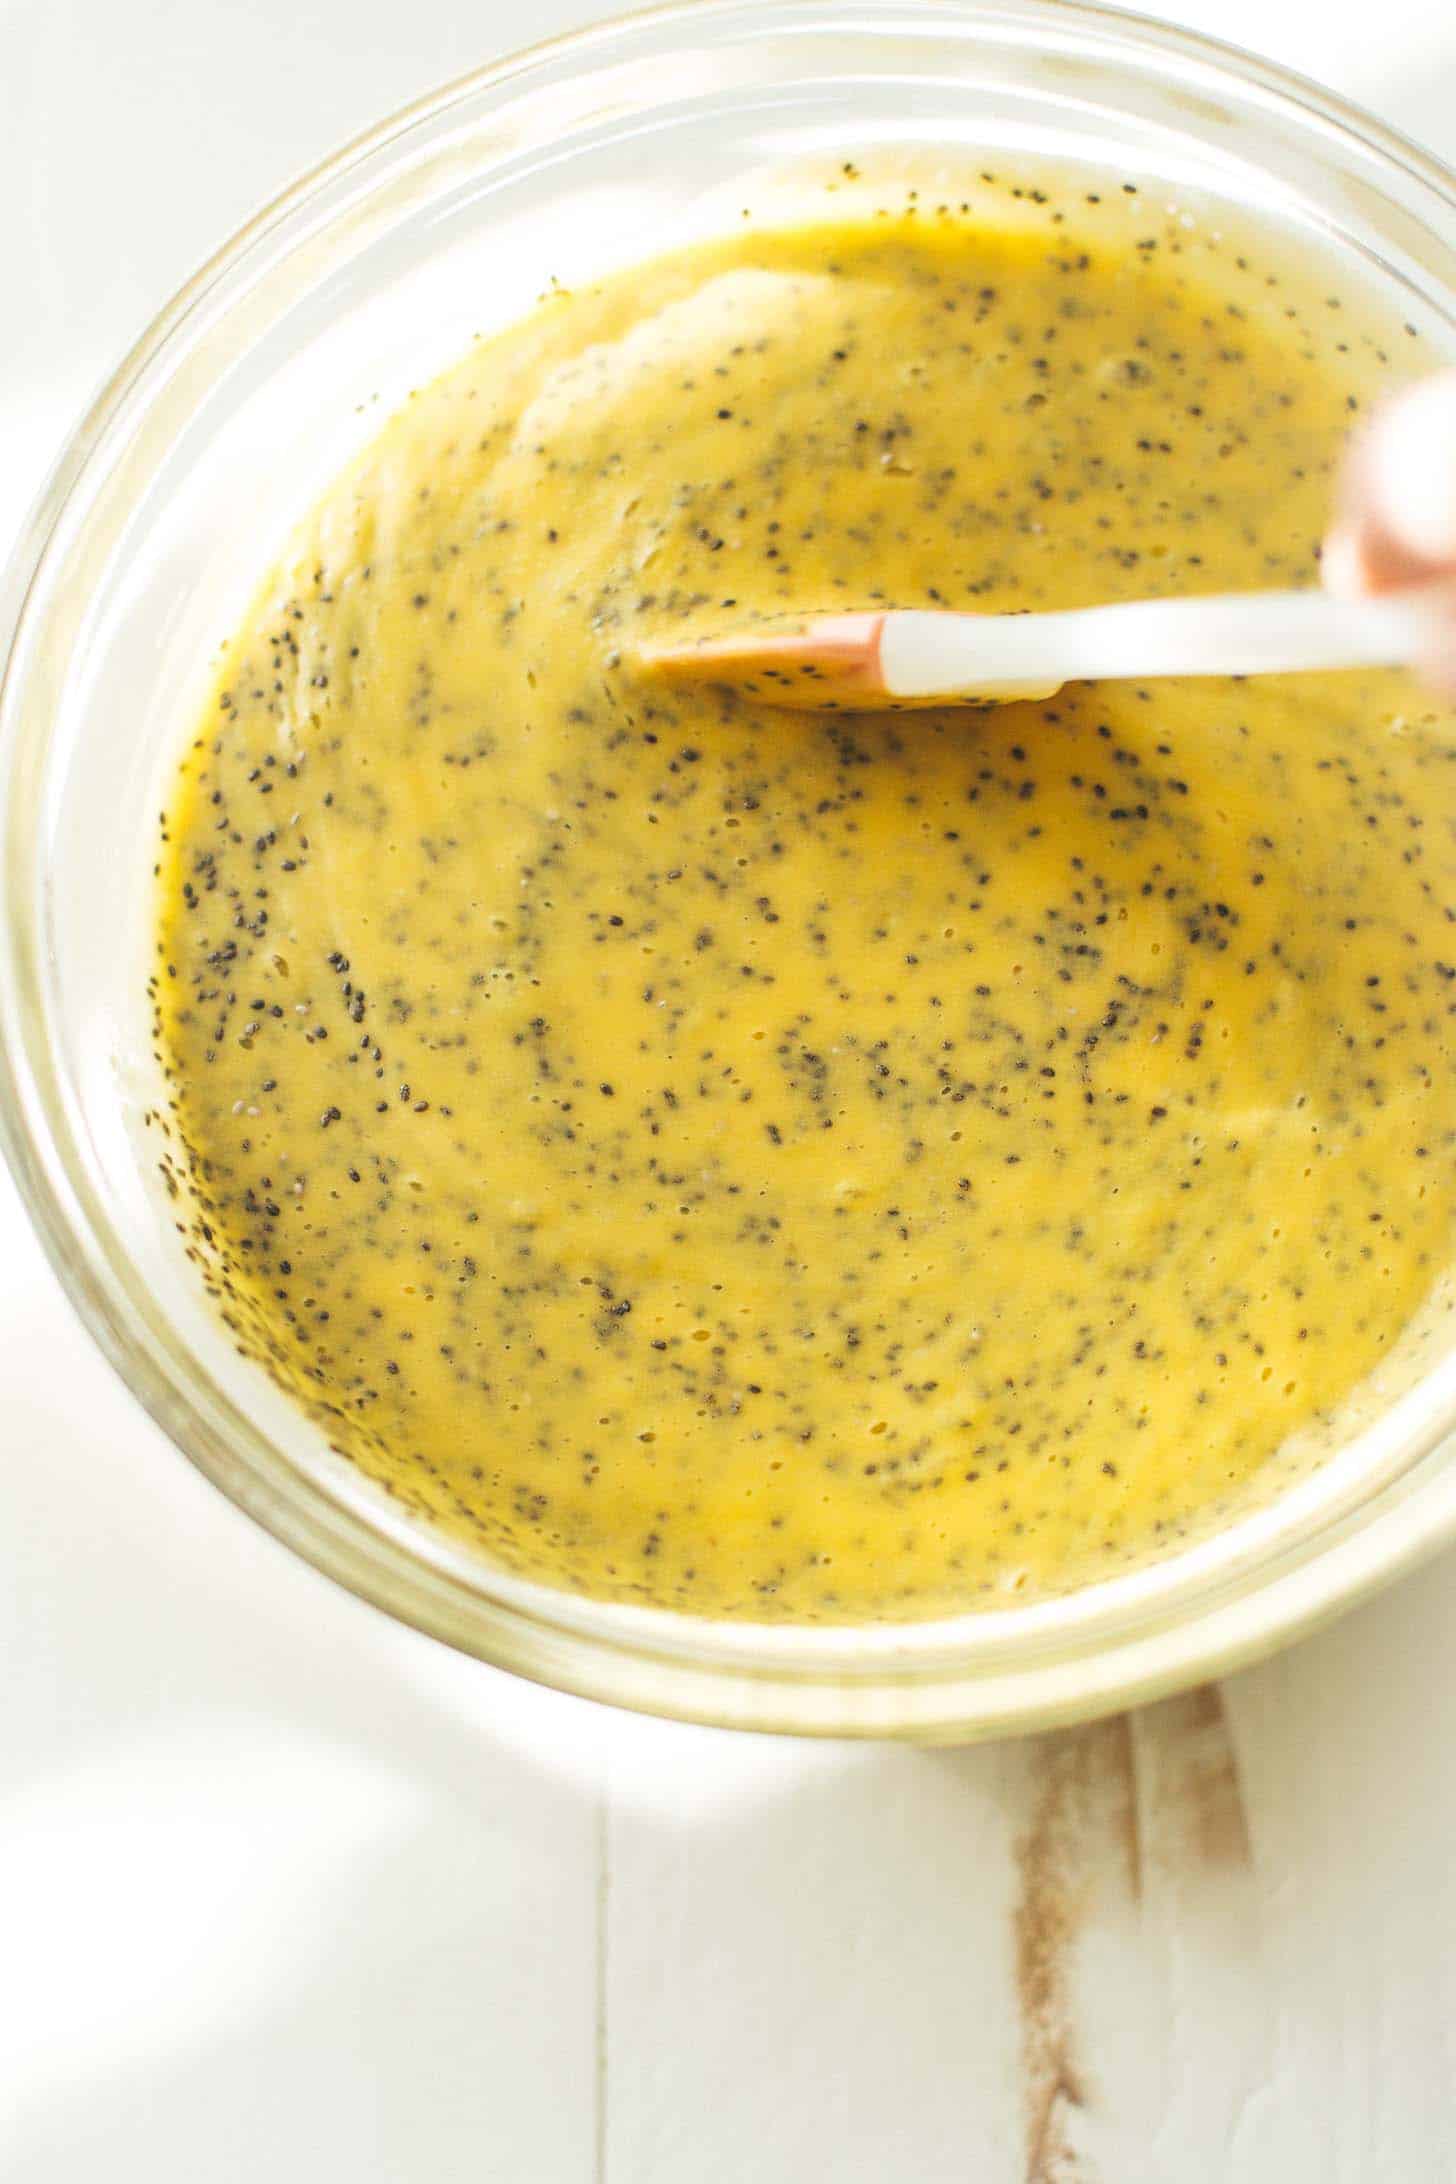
column 907, row 657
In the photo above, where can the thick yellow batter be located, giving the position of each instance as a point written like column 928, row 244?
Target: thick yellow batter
column 818, row 1169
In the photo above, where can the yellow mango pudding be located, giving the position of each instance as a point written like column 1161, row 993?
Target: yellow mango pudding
column 840, row 1169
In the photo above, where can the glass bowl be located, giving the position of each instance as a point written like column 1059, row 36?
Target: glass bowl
column 177, row 490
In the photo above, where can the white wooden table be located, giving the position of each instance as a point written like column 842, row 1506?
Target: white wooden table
column 288, row 1894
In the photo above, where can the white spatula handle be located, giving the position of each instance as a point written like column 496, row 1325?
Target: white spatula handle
column 1255, row 633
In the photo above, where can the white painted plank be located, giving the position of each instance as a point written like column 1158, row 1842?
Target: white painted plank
column 1214, row 1943
column 807, row 1959
column 285, row 1891
column 1349, row 1758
